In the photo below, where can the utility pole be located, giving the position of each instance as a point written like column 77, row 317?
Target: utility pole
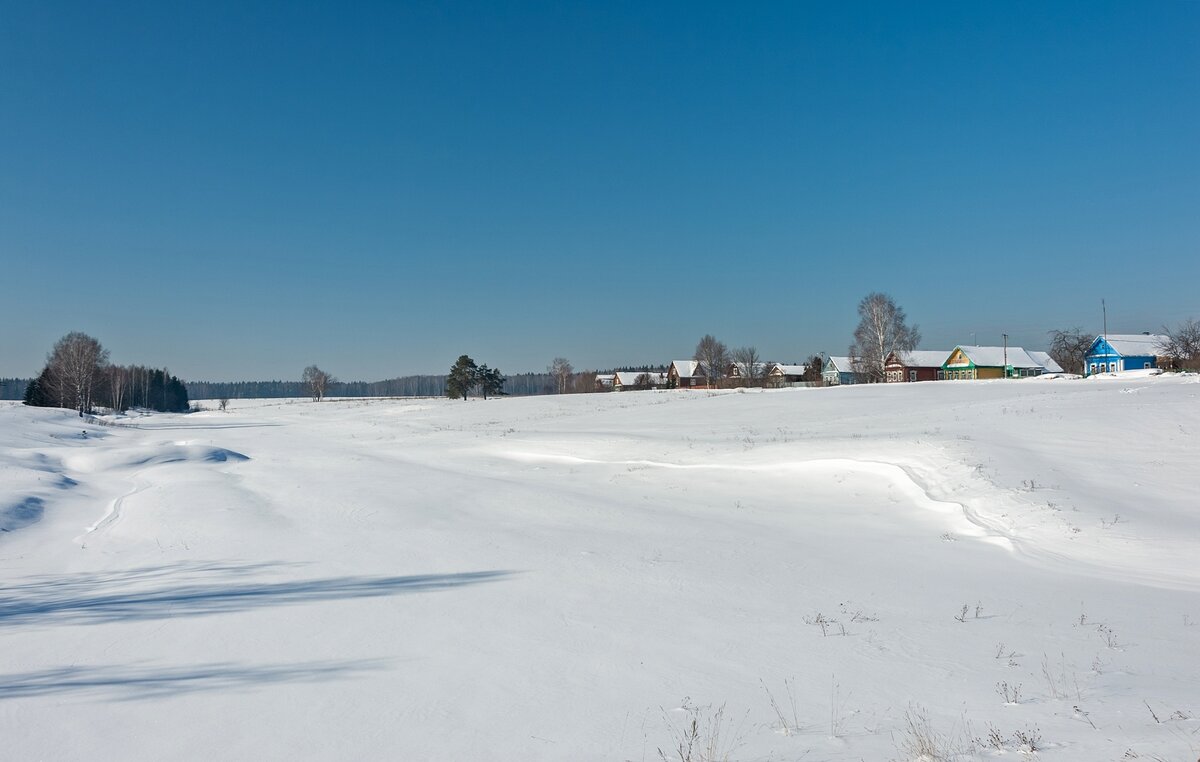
column 1104, row 311
column 1005, row 335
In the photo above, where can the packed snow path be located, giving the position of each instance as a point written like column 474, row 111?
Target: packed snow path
column 986, row 564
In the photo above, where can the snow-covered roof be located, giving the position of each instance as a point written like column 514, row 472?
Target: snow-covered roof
column 924, row 358
column 630, row 377
column 789, row 370
column 994, row 357
column 605, row 378
column 688, row 368
column 1136, row 344
column 1046, row 361
column 839, row 364
column 739, row 368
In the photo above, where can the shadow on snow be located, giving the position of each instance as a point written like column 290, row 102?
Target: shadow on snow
column 127, row 683
column 196, row 590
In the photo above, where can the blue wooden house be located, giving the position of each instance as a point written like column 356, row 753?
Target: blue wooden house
column 838, row 371
column 1117, row 352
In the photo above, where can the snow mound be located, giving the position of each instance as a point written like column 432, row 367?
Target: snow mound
column 94, row 461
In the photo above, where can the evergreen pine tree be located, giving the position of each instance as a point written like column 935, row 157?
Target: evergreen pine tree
column 37, row 393
column 490, row 381
column 462, row 378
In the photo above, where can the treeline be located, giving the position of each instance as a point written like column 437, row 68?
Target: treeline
column 78, row 376
column 13, row 388
column 522, row 384
column 651, row 368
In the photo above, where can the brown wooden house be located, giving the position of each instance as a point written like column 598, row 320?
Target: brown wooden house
column 684, row 374
column 917, row 365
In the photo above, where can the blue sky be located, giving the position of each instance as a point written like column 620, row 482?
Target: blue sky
column 237, row 190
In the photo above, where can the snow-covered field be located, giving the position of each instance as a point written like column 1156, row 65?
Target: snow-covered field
column 975, row 566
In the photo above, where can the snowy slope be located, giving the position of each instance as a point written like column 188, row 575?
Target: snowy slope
column 575, row 577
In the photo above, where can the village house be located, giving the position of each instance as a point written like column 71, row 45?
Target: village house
column 917, row 365
column 604, row 381
column 738, row 370
column 977, row 363
column 838, row 371
column 1118, row 352
column 685, row 374
column 786, row 375
column 624, row 380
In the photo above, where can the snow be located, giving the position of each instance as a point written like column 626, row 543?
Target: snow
column 573, row 577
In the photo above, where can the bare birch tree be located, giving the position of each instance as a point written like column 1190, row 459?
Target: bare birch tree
column 117, row 379
column 74, row 366
column 713, row 357
column 317, row 381
column 882, row 329
column 561, row 370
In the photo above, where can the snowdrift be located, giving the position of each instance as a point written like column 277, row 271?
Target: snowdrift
column 960, row 570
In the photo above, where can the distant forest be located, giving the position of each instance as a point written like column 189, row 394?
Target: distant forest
column 518, row 385
column 13, row 388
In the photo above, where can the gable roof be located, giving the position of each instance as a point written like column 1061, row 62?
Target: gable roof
column 838, row 364
column 1133, row 344
column 993, row 357
column 923, row 358
column 789, row 370
column 688, row 368
column 1046, row 361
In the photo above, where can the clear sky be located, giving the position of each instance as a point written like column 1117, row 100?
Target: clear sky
column 237, row 190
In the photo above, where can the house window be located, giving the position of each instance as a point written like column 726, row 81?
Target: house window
column 1112, row 367
column 912, row 375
